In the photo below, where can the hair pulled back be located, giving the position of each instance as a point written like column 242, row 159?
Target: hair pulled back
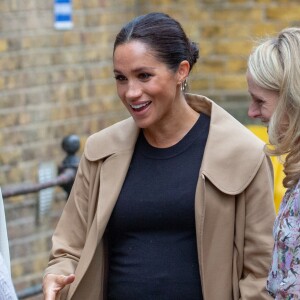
column 163, row 35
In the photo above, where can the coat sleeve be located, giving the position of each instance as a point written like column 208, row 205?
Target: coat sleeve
column 70, row 234
column 258, row 240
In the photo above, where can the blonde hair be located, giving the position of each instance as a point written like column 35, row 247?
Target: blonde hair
column 275, row 65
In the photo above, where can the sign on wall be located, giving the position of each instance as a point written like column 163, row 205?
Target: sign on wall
column 63, row 14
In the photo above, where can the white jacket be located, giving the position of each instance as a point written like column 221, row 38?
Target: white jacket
column 4, row 249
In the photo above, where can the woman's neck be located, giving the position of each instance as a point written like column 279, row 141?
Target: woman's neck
column 173, row 130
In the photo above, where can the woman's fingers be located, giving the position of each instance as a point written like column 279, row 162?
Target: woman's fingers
column 53, row 284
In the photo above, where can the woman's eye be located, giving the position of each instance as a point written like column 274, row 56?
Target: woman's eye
column 120, row 78
column 144, row 76
column 260, row 102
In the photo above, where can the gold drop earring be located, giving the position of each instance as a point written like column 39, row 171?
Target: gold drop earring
column 184, row 85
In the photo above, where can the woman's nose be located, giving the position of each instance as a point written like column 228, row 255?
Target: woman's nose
column 253, row 111
column 133, row 91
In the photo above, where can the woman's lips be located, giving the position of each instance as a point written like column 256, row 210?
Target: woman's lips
column 140, row 107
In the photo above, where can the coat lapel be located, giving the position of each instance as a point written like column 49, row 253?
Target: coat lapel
column 116, row 158
column 225, row 144
column 112, row 176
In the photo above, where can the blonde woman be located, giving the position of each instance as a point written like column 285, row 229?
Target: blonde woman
column 274, row 85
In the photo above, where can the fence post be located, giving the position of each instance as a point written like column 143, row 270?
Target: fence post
column 71, row 145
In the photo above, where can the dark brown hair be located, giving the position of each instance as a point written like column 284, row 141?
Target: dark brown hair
column 163, row 35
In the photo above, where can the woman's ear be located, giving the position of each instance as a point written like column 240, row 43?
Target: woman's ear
column 183, row 70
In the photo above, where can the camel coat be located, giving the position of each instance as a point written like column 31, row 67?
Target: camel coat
column 234, row 210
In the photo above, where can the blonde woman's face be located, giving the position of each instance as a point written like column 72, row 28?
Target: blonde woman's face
column 263, row 101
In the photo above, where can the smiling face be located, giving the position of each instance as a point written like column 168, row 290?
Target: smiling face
column 146, row 86
column 263, row 101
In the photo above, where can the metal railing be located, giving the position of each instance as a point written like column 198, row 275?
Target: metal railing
column 65, row 179
column 66, row 172
column 66, row 176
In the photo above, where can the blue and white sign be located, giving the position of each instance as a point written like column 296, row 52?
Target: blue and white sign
column 63, row 14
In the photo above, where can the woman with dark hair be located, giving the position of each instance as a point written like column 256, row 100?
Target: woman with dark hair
column 174, row 202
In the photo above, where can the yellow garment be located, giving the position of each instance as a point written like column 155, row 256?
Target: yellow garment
column 279, row 189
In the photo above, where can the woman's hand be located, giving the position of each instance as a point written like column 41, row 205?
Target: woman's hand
column 53, row 284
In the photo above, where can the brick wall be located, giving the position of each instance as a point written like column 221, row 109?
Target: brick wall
column 54, row 83
column 226, row 30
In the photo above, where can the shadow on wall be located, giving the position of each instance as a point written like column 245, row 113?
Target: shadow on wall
column 279, row 189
